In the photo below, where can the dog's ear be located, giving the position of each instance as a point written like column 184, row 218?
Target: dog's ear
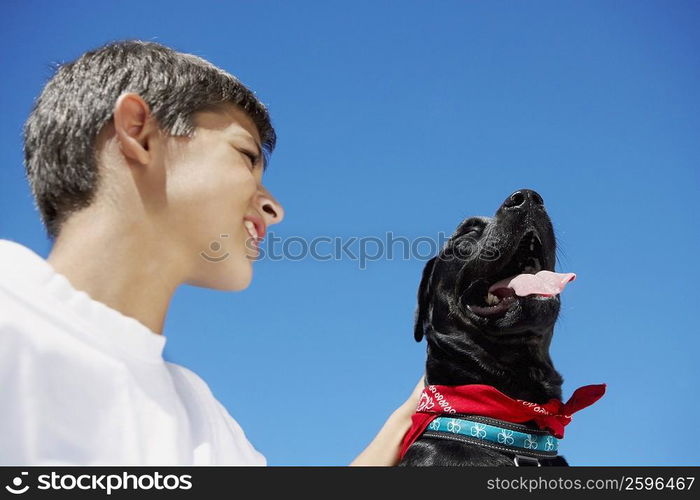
column 424, row 291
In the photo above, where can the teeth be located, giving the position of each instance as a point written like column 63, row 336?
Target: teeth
column 251, row 229
column 538, row 266
column 491, row 299
column 529, row 270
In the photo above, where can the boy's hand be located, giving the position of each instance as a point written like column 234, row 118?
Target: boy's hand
column 384, row 449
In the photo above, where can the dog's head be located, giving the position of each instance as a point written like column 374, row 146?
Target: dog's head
column 487, row 279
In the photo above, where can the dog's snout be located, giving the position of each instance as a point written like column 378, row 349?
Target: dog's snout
column 522, row 198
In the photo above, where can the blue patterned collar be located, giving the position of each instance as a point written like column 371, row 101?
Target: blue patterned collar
column 495, row 434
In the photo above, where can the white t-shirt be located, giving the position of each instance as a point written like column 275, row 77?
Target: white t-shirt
column 83, row 384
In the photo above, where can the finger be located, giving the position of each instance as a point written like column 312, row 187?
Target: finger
column 418, row 389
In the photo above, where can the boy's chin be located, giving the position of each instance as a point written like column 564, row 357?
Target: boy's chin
column 226, row 277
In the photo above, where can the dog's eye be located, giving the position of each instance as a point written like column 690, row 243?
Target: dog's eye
column 473, row 227
column 473, row 231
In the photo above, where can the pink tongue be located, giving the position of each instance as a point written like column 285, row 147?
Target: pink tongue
column 542, row 283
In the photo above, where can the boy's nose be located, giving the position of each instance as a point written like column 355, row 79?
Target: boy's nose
column 271, row 208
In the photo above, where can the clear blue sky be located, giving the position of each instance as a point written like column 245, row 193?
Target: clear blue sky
column 407, row 117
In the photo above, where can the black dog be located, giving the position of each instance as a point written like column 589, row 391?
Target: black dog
column 478, row 334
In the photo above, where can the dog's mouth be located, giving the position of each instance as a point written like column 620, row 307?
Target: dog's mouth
column 523, row 277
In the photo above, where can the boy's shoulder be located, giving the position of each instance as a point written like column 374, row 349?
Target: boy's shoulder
column 195, row 390
column 20, row 264
column 201, row 403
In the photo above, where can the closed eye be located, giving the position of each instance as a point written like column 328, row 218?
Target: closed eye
column 473, row 231
column 473, row 225
column 254, row 158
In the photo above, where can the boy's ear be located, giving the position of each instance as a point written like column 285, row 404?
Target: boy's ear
column 131, row 126
column 424, row 291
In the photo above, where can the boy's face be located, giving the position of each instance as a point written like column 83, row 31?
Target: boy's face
column 215, row 198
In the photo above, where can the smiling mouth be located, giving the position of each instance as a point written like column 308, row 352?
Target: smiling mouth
column 522, row 278
column 252, row 230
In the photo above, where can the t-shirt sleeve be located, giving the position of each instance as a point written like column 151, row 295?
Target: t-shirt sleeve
column 255, row 457
column 229, row 446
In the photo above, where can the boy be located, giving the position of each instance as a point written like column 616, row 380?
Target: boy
column 139, row 157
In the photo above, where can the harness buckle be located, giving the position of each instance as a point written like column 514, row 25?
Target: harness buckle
column 521, row 461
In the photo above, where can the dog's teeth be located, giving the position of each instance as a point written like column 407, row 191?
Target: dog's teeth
column 491, row 299
column 529, row 270
column 538, row 266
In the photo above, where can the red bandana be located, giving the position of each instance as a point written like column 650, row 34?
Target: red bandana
column 488, row 401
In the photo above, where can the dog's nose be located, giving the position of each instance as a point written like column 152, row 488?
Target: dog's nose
column 523, row 198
